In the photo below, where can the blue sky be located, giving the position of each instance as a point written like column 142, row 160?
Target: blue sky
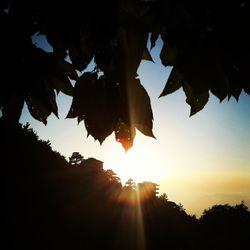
column 198, row 161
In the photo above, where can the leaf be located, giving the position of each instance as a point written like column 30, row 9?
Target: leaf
column 189, row 92
column 145, row 129
column 235, row 91
column 146, row 55
column 105, row 58
column 197, row 68
column 125, row 135
column 80, row 59
column 101, row 118
column 72, row 113
column 41, row 101
column 153, row 38
column 68, row 69
column 62, row 84
column 247, row 90
column 37, row 109
column 85, row 49
column 80, row 118
column 92, row 103
column 99, row 124
column 133, row 41
column 83, row 92
column 196, row 101
column 140, row 110
column 52, row 99
column 174, row 82
column 220, row 86
column 76, row 59
column 168, row 55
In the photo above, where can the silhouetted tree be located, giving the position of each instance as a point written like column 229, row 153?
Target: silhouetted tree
column 76, row 159
column 112, row 176
column 225, row 227
column 163, row 197
column 206, row 43
column 130, row 184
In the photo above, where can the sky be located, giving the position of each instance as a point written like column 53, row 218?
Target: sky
column 197, row 161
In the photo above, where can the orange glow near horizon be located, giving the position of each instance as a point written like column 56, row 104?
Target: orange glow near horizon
column 140, row 163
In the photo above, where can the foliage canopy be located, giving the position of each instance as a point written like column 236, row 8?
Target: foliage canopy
column 206, row 42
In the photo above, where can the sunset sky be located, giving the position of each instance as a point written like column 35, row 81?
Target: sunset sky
column 198, row 161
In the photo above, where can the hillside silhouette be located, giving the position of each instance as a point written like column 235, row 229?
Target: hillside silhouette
column 51, row 203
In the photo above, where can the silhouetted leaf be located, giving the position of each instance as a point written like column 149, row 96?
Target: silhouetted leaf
column 37, row 109
column 197, row 65
column 100, row 119
column 234, row 90
column 105, row 58
column 52, row 99
column 168, row 55
column 125, row 135
column 146, row 55
column 146, row 129
column 83, row 92
column 174, row 82
column 220, row 88
column 133, row 42
column 196, row 101
column 188, row 92
column 99, row 125
column 68, row 69
column 199, row 102
column 154, row 36
column 80, row 60
column 41, row 101
column 247, row 90
column 140, row 111
column 62, row 84
column 76, row 59
column 92, row 104
column 79, row 118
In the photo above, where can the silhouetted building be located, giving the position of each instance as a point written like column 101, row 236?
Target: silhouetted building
column 147, row 190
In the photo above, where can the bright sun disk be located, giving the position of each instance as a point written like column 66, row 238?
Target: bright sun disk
column 139, row 163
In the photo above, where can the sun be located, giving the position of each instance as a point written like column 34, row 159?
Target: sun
column 141, row 163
